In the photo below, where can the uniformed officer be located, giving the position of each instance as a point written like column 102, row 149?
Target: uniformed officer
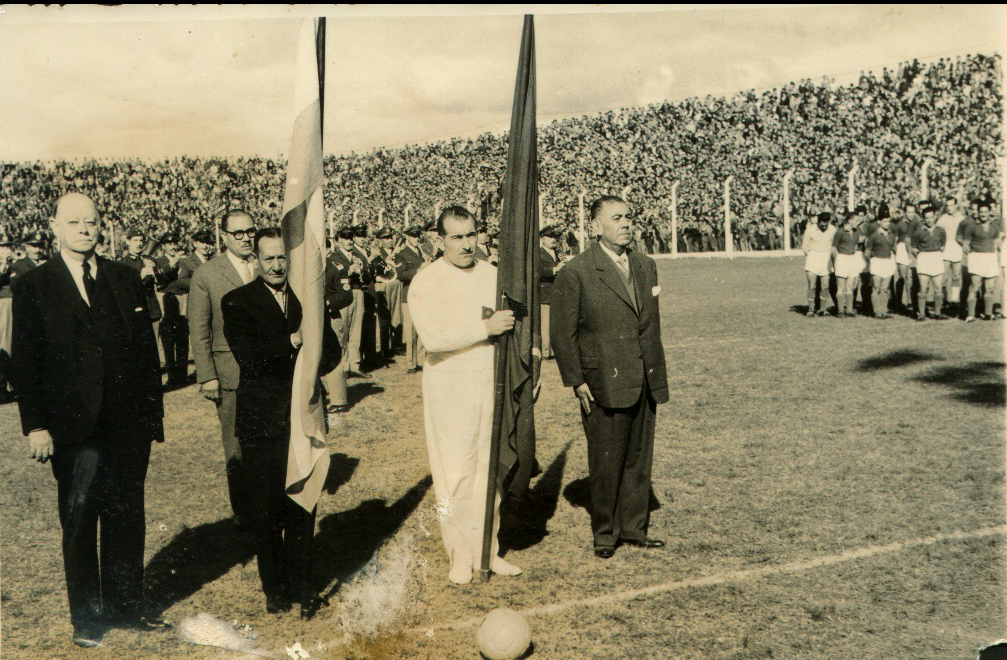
column 145, row 265
column 409, row 259
column 174, row 326
column 550, row 265
column 34, row 247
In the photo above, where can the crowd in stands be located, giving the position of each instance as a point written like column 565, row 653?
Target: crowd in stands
column 888, row 124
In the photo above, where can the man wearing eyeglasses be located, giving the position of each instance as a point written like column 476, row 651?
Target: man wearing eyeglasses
column 216, row 369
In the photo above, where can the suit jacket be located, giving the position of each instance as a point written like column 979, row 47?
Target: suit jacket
column 599, row 337
column 339, row 284
column 407, row 263
column 259, row 335
column 57, row 364
column 19, row 268
column 210, row 349
column 149, row 285
column 547, row 276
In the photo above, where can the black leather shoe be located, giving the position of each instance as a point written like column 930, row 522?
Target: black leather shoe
column 87, row 636
column 645, row 542
column 277, row 605
column 310, row 606
column 604, row 552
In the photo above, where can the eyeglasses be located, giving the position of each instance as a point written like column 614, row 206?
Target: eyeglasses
column 242, row 233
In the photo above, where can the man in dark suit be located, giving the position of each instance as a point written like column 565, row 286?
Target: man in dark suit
column 89, row 394
column 176, row 297
column 606, row 334
column 262, row 324
column 408, row 261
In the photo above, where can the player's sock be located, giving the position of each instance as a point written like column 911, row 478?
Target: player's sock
column 972, row 303
column 881, row 302
column 988, row 300
column 921, row 300
column 840, row 303
column 938, row 302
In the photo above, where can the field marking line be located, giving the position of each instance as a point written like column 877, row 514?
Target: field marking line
column 734, row 576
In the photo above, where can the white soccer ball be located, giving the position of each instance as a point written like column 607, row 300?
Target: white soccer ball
column 503, row 635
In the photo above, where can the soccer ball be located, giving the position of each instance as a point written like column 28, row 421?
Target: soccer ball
column 503, row 635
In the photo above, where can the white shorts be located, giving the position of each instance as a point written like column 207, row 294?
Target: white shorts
column 983, row 264
column 930, row 264
column 848, row 265
column 952, row 251
column 882, row 267
column 817, row 263
column 902, row 257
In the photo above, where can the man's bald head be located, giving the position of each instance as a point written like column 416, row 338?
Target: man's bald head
column 75, row 224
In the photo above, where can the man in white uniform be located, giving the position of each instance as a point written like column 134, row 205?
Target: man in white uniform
column 451, row 302
column 952, row 254
column 817, row 247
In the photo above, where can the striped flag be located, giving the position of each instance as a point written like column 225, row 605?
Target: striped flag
column 303, row 227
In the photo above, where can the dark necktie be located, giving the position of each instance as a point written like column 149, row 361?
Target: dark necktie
column 88, row 282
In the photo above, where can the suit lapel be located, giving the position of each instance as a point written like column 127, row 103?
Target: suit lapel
column 63, row 282
column 610, row 276
column 636, row 268
column 268, row 300
column 229, row 272
column 118, row 294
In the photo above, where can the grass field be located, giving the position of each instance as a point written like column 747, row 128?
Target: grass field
column 827, row 488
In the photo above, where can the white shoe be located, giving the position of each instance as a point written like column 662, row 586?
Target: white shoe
column 502, row 567
column 460, row 574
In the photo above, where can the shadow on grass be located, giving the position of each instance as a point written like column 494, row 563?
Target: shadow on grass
column 524, row 520
column 894, row 359
column 341, row 468
column 347, row 540
column 978, row 383
column 578, row 494
column 200, row 555
column 359, row 391
column 194, row 558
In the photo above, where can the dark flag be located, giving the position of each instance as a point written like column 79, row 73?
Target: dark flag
column 518, row 283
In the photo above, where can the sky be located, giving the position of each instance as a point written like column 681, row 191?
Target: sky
column 164, row 82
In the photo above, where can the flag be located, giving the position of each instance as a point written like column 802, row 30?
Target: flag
column 518, row 281
column 303, row 227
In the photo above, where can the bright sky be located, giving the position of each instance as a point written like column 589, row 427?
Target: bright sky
column 165, row 82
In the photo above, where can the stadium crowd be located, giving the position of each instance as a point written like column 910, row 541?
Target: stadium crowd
column 887, row 124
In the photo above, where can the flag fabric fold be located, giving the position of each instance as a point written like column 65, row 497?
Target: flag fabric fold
column 303, row 227
column 518, row 280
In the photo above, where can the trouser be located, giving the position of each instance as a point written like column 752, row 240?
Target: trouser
column 546, row 342
column 458, row 418
column 156, row 324
column 226, row 410
column 620, row 452
column 335, row 380
column 415, row 353
column 175, row 344
column 353, row 317
column 282, row 529
column 368, row 329
column 101, row 481
column 383, row 315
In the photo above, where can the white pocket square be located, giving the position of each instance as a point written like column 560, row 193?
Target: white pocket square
column 138, row 309
column 656, row 290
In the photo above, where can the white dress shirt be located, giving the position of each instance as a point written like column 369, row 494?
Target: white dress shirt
column 77, row 271
column 244, row 267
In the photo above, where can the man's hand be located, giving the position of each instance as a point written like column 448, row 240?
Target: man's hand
column 210, row 390
column 40, row 443
column 501, row 322
column 583, row 393
column 296, row 339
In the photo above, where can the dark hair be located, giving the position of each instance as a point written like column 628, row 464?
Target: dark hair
column 233, row 213
column 950, row 198
column 265, row 232
column 456, row 211
column 601, row 201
